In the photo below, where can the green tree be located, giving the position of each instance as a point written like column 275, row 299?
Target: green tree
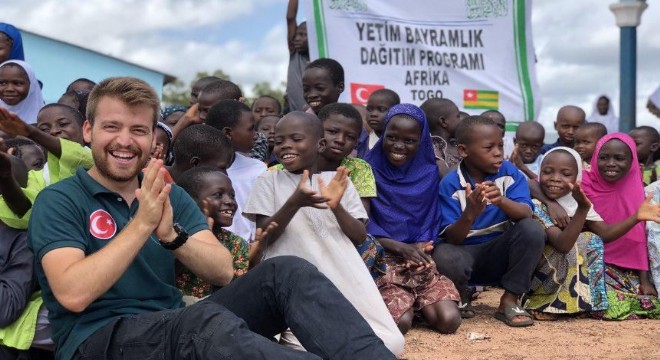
column 178, row 92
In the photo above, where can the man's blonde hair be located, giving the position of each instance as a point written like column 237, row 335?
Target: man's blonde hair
column 129, row 90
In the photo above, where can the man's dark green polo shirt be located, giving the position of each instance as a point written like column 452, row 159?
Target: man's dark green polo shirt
column 81, row 213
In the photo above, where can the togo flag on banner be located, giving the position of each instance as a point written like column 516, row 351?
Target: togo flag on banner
column 477, row 53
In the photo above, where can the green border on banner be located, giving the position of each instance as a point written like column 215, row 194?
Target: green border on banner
column 319, row 19
column 520, row 39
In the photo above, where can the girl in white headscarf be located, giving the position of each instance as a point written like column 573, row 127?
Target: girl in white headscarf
column 20, row 91
column 604, row 113
column 570, row 277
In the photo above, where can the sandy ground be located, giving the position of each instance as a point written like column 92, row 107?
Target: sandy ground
column 567, row 338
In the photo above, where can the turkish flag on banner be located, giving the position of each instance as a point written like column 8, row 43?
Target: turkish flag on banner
column 360, row 92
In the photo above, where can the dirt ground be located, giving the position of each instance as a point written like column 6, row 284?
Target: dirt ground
column 567, row 338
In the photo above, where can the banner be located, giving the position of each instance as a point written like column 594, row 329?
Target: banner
column 477, row 53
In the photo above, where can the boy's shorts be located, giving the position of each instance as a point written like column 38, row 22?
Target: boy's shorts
column 403, row 289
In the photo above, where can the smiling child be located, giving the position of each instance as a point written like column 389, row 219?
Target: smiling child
column 320, row 218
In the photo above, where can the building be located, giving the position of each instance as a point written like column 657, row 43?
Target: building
column 57, row 63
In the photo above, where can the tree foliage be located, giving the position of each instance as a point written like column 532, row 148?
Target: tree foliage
column 178, row 92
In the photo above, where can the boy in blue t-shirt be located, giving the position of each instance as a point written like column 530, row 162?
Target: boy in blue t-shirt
column 487, row 234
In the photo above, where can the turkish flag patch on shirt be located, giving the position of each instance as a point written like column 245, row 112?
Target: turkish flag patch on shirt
column 102, row 225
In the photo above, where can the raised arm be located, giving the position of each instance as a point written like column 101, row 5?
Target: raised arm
column 609, row 232
column 14, row 126
column 10, row 189
column 291, row 25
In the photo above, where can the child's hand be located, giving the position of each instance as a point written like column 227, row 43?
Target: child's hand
column 12, row 124
column 305, row 196
column 648, row 211
column 335, row 188
column 207, row 213
column 515, row 158
column 579, row 196
column 158, row 152
column 475, row 200
column 260, row 234
column 558, row 214
column 492, row 192
column 416, row 256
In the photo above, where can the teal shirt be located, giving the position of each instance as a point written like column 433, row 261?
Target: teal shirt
column 81, row 213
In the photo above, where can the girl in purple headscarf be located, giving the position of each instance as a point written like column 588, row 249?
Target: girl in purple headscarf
column 405, row 219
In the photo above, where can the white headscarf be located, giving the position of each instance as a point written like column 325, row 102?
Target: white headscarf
column 567, row 201
column 28, row 108
column 610, row 120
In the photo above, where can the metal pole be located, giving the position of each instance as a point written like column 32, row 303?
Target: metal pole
column 628, row 78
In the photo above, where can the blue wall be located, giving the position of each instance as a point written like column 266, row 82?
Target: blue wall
column 57, row 64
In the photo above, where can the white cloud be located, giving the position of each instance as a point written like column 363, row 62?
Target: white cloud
column 577, row 42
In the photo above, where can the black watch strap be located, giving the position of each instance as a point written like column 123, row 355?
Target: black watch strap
column 181, row 238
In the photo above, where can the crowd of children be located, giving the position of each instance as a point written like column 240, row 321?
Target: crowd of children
column 404, row 208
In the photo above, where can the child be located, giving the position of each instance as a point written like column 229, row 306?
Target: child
column 378, row 104
column 76, row 99
column 64, row 157
column 172, row 114
column 81, row 85
column 341, row 124
column 614, row 189
column 163, row 148
column 61, row 121
column 586, row 137
column 11, row 43
column 653, row 234
column 215, row 92
column 298, row 58
column 266, row 127
column 405, row 218
column 647, row 141
column 604, row 113
column 443, row 118
column 198, row 85
column 570, row 276
column 497, row 117
column 569, row 118
column 212, row 191
column 527, row 151
column 320, row 219
column 236, row 122
column 323, row 82
column 487, row 233
column 266, row 106
column 20, row 91
column 201, row 145
column 28, row 151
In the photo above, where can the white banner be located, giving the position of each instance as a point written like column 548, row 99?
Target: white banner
column 477, row 53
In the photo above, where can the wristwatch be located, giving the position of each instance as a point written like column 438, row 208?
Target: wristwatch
column 181, row 238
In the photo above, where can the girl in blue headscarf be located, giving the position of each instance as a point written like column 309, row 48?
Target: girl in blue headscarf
column 11, row 43
column 405, row 218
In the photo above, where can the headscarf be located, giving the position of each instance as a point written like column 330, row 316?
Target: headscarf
column 610, row 120
column 172, row 109
column 28, row 108
column 407, row 208
column 567, row 202
column 16, row 52
column 169, row 157
column 616, row 202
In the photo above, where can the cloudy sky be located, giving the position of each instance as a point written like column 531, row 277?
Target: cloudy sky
column 576, row 41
